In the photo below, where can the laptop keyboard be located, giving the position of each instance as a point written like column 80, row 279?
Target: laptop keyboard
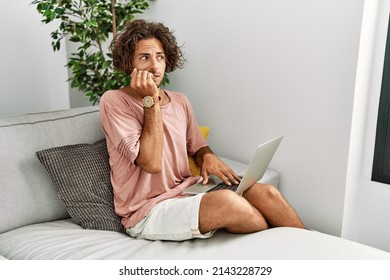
column 223, row 186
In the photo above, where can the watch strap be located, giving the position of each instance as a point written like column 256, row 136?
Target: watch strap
column 149, row 97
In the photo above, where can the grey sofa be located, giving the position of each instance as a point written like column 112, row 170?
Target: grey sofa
column 37, row 222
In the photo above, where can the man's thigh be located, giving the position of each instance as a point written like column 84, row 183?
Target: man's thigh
column 228, row 210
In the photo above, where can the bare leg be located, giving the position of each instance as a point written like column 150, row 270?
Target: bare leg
column 274, row 208
column 260, row 207
column 225, row 209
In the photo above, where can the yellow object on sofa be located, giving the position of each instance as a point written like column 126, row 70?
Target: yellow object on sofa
column 195, row 170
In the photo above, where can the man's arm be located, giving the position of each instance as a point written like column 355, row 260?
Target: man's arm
column 152, row 137
column 211, row 164
column 198, row 157
column 151, row 141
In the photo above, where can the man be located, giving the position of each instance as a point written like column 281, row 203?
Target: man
column 150, row 132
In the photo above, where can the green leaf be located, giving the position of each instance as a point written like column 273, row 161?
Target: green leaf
column 59, row 11
column 91, row 23
column 53, row 15
column 47, row 13
column 39, row 7
column 74, row 39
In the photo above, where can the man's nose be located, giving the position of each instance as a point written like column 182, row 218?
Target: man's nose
column 153, row 63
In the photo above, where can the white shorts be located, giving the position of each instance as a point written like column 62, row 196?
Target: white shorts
column 174, row 219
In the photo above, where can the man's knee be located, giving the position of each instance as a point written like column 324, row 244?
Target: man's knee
column 226, row 209
column 224, row 200
column 264, row 192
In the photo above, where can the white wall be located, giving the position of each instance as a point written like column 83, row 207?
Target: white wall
column 259, row 69
column 367, row 207
column 32, row 77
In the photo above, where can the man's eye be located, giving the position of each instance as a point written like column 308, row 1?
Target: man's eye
column 143, row 58
column 161, row 57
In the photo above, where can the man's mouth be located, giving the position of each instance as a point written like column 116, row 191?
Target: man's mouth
column 156, row 75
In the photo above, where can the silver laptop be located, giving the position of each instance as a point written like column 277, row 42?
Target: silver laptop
column 256, row 169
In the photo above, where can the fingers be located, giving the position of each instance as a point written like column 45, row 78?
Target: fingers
column 205, row 176
column 139, row 78
column 236, row 179
column 227, row 175
column 142, row 82
column 213, row 165
column 227, row 178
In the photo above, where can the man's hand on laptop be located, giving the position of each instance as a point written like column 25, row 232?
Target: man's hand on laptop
column 213, row 165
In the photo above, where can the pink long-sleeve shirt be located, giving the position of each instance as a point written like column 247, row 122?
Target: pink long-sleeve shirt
column 136, row 192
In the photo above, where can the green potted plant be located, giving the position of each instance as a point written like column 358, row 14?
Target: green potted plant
column 90, row 24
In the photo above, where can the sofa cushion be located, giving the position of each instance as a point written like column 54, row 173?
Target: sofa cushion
column 81, row 174
column 64, row 240
column 195, row 169
column 27, row 194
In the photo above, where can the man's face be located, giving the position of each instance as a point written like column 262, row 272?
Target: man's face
column 149, row 56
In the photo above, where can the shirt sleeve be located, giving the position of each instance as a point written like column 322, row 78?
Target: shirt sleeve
column 120, row 123
column 195, row 140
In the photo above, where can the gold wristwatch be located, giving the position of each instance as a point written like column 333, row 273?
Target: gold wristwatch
column 148, row 101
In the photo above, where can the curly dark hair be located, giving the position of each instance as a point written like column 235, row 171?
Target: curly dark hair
column 124, row 44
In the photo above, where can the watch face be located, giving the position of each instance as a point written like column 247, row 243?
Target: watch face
column 148, row 101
